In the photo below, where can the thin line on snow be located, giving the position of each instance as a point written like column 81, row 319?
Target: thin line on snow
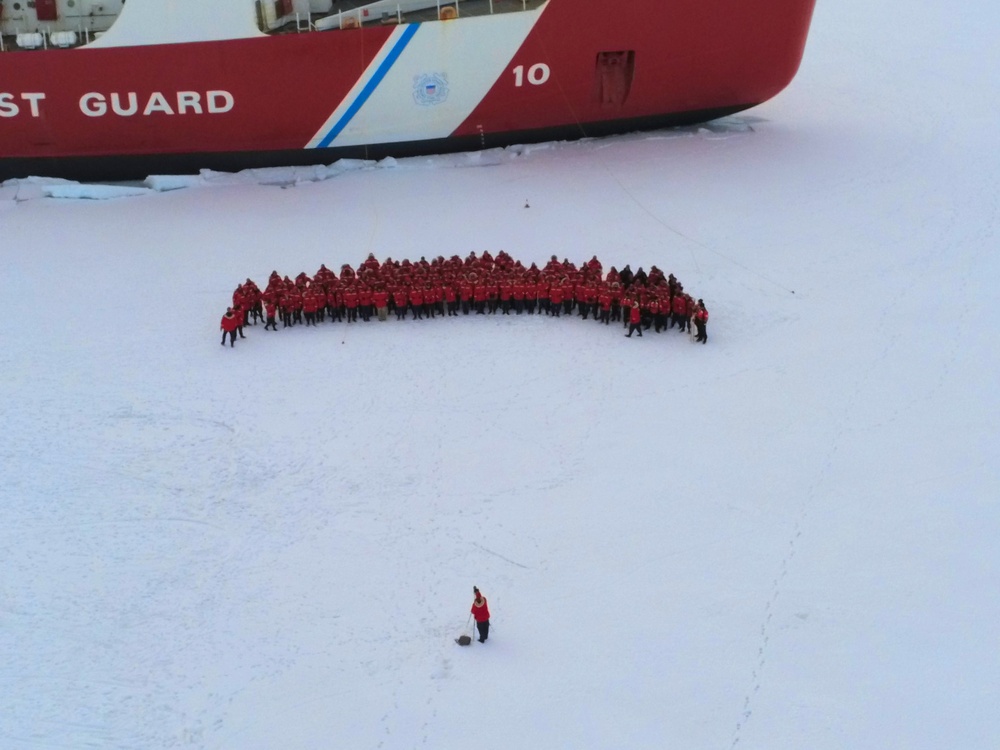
column 507, row 559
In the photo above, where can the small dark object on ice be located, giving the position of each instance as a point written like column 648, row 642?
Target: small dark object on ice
column 464, row 640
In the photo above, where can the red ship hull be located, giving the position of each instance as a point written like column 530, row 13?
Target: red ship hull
column 124, row 112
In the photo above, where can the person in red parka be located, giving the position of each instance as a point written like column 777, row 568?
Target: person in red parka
column 417, row 302
column 309, row 306
column 692, row 307
column 506, row 290
column 481, row 293
column 351, row 304
column 241, row 317
column 401, row 297
column 230, row 322
column 380, row 299
column 465, row 292
column 604, row 300
column 680, row 312
column 481, row 612
column 271, row 309
column 701, row 322
column 555, row 299
column 634, row 319
column 450, row 298
column 542, row 295
column 365, row 302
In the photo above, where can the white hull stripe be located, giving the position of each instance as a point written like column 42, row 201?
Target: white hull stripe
column 367, row 84
column 423, row 86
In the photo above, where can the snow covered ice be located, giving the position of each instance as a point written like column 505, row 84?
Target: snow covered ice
column 784, row 539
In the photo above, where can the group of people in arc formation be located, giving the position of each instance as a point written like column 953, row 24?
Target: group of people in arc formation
column 481, row 284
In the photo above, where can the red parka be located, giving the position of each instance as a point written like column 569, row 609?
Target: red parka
column 481, row 611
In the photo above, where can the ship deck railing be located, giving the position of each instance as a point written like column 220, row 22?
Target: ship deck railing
column 349, row 14
column 46, row 39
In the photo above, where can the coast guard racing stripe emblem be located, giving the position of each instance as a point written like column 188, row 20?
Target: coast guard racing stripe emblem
column 420, row 85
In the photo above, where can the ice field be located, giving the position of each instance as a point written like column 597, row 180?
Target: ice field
column 784, row 539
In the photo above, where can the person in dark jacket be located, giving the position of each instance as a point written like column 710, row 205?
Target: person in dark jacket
column 481, row 613
column 626, row 276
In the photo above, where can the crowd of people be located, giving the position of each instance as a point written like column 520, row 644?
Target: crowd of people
column 481, row 284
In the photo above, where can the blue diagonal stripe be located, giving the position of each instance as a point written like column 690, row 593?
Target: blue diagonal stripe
column 372, row 84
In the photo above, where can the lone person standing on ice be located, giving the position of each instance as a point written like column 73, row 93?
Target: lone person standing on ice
column 481, row 611
column 230, row 322
column 701, row 322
